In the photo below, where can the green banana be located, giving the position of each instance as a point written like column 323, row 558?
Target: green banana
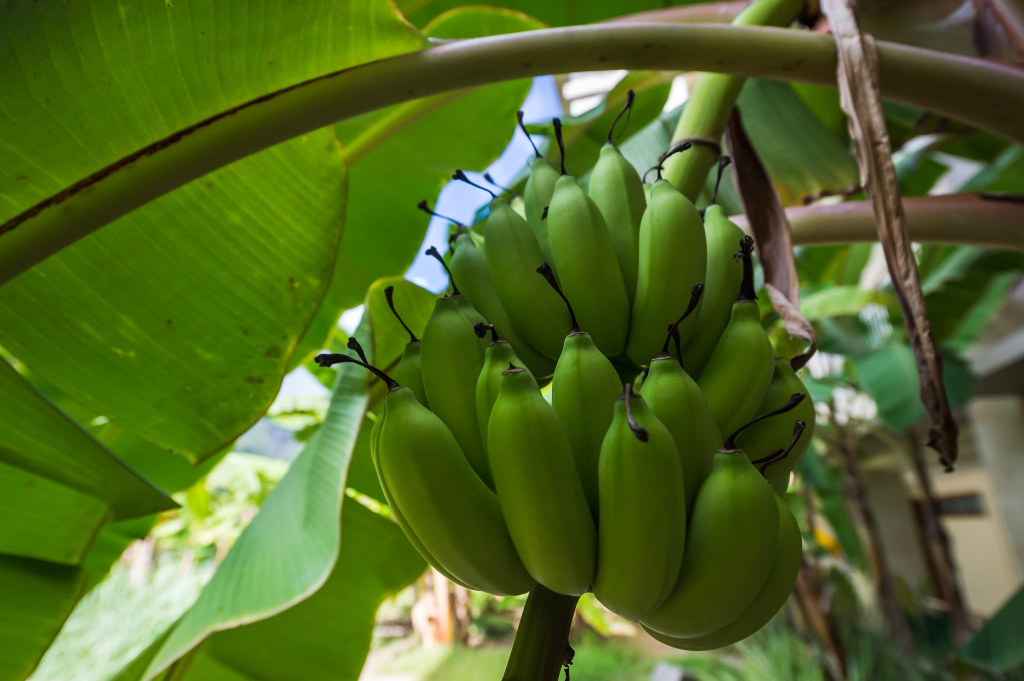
column 541, row 495
column 540, row 187
column 497, row 358
column 769, row 601
column 673, row 258
column 450, row 362
column 588, row 269
column 678, row 403
column 739, row 370
column 397, row 513
column 730, row 549
column 461, row 528
column 642, row 528
column 583, row 392
column 512, row 256
column 722, row 284
column 518, row 205
column 616, row 188
column 407, row 371
column 647, row 199
column 469, row 264
column 770, row 435
column 465, row 306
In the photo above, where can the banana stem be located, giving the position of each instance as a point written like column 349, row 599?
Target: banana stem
column 707, row 111
column 542, row 647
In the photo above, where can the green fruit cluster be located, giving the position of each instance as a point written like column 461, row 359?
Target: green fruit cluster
column 635, row 495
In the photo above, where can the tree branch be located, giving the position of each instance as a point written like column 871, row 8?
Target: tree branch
column 960, row 219
column 986, row 95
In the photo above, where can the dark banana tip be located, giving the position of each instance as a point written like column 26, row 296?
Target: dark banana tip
column 639, row 431
column 798, row 429
column 461, row 177
column 435, row 254
column 519, row 121
column 353, row 344
column 512, row 369
column 791, row 403
column 673, row 329
column 389, row 294
column 425, row 207
column 626, row 110
column 723, row 161
column 328, row 359
column 549, row 275
column 747, row 292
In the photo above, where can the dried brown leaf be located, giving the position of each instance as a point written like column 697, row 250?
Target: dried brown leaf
column 861, row 100
column 997, row 22
column 770, row 227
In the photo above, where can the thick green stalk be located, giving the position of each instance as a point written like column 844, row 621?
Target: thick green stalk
column 714, row 95
column 984, row 94
column 964, row 219
column 541, row 647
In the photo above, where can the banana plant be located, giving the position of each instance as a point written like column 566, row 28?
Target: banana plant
column 192, row 195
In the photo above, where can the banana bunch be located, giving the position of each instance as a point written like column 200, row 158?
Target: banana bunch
column 639, row 315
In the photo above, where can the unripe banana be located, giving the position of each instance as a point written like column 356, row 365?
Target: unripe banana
column 513, row 256
column 739, row 370
column 722, row 284
column 588, row 269
column 583, row 392
column 469, row 266
column 678, row 402
column 407, row 371
column 772, row 597
column 642, row 528
column 540, row 187
column 540, row 492
column 673, row 258
column 647, row 195
column 498, row 356
column 451, row 359
column 616, row 188
column 461, row 529
column 471, row 314
column 772, row 434
column 730, row 550
column 397, row 513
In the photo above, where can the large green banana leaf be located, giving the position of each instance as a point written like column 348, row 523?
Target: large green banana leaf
column 58, row 487
column 324, row 638
column 197, row 300
column 286, row 553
